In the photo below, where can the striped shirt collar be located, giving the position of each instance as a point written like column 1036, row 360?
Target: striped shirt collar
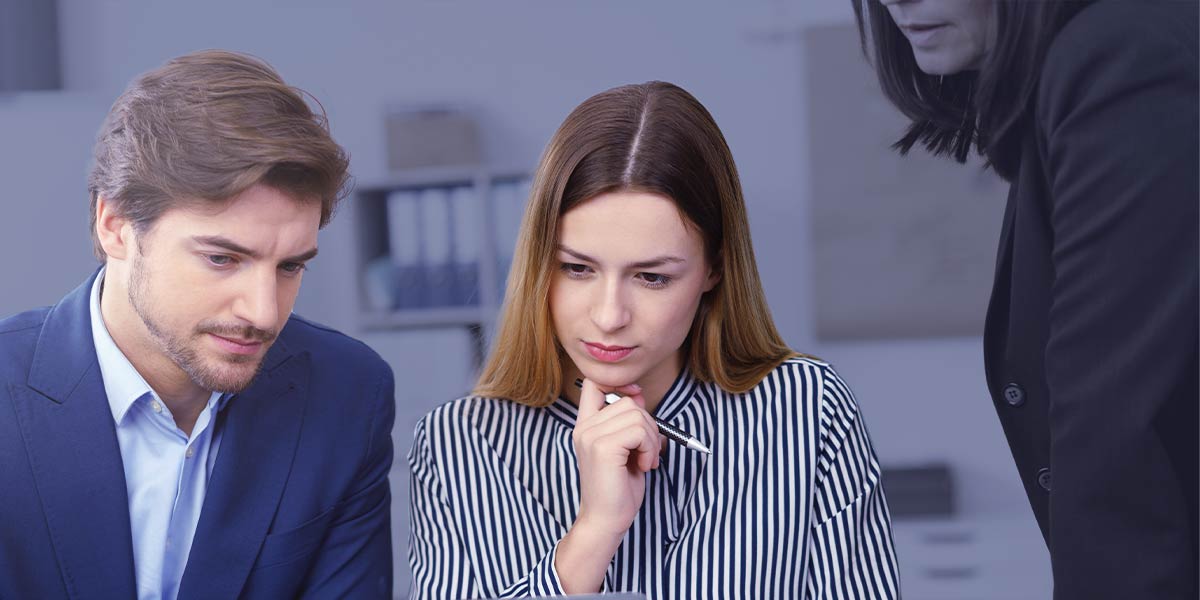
column 681, row 392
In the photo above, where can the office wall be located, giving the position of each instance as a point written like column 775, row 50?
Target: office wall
column 523, row 65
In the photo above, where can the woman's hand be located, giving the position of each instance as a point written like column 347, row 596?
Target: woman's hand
column 616, row 446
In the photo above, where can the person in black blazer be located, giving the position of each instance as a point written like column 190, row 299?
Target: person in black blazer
column 1089, row 110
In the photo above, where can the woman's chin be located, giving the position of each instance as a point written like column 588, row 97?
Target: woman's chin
column 611, row 376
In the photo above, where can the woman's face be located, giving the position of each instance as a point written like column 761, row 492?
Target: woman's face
column 630, row 276
column 947, row 36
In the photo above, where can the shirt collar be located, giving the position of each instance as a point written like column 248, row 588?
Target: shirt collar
column 677, row 397
column 122, row 383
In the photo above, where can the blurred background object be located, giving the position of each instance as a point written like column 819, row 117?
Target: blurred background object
column 29, row 46
column 802, row 114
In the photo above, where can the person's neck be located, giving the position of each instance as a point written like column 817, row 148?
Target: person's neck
column 174, row 387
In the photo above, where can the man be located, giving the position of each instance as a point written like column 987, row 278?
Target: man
column 170, row 429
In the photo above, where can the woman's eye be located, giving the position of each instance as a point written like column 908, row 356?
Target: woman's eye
column 654, row 280
column 575, row 269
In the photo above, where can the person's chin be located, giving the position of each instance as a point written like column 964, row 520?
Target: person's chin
column 941, row 63
column 233, row 382
column 224, row 375
column 611, row 375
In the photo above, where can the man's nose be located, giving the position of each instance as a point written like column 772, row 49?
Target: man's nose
column 257, row 300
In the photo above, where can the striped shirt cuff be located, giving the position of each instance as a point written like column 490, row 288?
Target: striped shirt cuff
column 543, row 579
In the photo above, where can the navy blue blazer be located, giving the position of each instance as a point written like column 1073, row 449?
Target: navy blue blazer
column 298, row 503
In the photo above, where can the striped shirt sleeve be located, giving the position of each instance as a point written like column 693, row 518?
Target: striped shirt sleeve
column 851, row 554
column 441, row 567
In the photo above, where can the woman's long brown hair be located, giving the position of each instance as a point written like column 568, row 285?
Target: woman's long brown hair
column 653, row 137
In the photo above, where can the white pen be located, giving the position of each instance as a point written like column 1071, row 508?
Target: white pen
column 670, row 431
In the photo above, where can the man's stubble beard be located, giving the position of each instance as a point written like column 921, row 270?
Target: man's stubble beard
column 183, row 353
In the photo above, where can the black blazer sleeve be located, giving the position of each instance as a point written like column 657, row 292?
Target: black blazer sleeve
column 1117, row 127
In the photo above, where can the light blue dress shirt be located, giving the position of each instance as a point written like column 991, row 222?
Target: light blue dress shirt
column 166, row 471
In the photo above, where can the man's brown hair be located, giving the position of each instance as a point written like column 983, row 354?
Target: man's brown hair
column 203, row 128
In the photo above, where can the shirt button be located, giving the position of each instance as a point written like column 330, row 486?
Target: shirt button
column 1014, row 394
column 190, row 452
column 1043, row 478
column 156, row 406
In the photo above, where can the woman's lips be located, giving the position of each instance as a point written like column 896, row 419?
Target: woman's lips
column 921, row 34
column 608, row 353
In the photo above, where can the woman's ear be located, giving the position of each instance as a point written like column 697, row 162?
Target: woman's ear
column 714, row 277
column 714, row 273
column 114, row 231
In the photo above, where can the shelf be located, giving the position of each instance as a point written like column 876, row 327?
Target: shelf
column 447, row 176
column 463, row 316
column 495, row 225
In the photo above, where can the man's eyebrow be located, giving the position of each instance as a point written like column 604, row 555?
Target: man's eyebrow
column 302, row 257
column 232, row 246
column 644, row 264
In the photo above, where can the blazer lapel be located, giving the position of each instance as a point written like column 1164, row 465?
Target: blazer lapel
column 261, row 429
column 72, row 443
column 996, row 324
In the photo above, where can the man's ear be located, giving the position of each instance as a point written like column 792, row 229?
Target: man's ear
column 114, row 231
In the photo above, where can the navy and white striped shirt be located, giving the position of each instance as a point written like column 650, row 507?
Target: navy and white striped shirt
column 788, row 506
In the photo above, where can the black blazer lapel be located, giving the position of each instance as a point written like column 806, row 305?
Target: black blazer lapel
column 72, row 443
column 261, row 429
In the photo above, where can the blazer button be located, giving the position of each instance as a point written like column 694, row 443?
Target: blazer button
column 1043, row 477
column 1014, row 394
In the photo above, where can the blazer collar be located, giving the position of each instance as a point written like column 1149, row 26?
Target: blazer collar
column 64, row 351
column 72, row 444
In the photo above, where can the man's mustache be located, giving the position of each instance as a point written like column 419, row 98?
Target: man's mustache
column 238, row 332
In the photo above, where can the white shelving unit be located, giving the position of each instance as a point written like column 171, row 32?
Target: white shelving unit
column 370, row 203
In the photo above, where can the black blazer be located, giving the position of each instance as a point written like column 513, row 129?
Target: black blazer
column 1091, row 336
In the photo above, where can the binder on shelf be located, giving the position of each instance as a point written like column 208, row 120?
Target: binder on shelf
column 508, row 205
column 466, row 212
column 407, row 281
column 379, row 277
column 436, row 233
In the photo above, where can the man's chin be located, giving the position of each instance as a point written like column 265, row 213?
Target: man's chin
column 231, row 377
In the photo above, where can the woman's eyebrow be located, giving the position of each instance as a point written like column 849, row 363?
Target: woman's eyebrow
column 641, row 264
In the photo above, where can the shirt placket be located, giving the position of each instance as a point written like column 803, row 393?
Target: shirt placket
column 189, row 496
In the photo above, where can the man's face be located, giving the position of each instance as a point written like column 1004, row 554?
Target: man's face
column 214, row 286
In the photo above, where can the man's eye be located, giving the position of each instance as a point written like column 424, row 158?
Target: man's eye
column 219, row 260
column 292, row 267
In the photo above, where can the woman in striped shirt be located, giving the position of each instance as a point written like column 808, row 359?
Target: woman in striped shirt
column 634, row 273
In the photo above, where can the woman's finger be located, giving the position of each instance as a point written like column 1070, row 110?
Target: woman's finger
column 591, row 400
